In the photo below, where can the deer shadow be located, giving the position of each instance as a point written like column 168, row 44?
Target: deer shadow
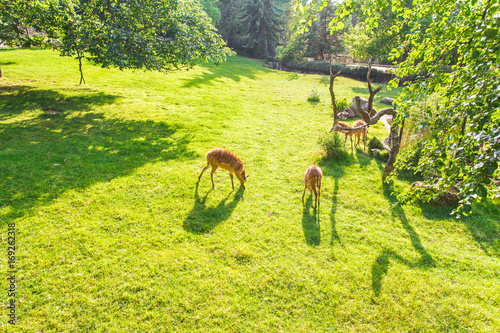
column 311, row 223
column 202, row 219
column 47, row 155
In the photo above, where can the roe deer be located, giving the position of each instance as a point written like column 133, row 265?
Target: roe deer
column 226, row 160
column 312, row 180
column 363, row 131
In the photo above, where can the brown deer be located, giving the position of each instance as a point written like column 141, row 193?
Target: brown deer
column 358, row 128
column 312, row 180
column 226, row 160
column 363, row 131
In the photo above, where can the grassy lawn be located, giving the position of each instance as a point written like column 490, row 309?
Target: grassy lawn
column 115, row 234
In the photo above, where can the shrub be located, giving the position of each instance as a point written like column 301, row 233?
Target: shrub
column 323, row 67
column 375, row 144
column 342, row 104
column 379, row 153
column 332, row 145
column 314, row 96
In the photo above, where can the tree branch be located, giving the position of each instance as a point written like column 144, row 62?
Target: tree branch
column 373, row 120
column 332, row 94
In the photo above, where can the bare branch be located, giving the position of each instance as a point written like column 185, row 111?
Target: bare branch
column 373, row 120
column 332, row 94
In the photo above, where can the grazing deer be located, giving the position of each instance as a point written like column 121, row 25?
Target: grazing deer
column 312, row 179
column 349, row 131
column 363, row 131
column 226, row 160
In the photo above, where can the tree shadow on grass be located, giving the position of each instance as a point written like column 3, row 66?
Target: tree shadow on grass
column 15, row 100
column 45, row 156
column 203, row 219
column 212, row 73
column 381, row 264
column 334, row 168
column 483, row 224
column 311, row 223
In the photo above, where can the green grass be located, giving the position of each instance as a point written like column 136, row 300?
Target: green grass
column 114, row 233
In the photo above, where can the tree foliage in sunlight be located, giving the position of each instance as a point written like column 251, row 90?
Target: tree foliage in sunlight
column 453, row 47
column 150, row 34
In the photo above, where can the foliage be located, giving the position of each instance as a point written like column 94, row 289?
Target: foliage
column 333, row 146
column 375, row 143
column 211, row 8
column 323, row 67
column 376, row 41
column 149, row 34
column 377, row 150
column 462, row 144
column 314, row 96
column 342, row 103
column 262, row 22
column 315, row 41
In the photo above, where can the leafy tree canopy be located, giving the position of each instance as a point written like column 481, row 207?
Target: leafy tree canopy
column 150, row 34
column 454, row 48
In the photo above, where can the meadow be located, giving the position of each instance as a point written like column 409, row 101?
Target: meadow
column 114, row 233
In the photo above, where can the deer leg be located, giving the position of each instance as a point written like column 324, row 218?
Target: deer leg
column 315, row 197
column 202, row 171
column 319, row 190
column 364, row 140
column 231, row 175
column 303, row 193
column 212, row 175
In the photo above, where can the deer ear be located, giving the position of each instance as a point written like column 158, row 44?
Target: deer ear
column 247, row 176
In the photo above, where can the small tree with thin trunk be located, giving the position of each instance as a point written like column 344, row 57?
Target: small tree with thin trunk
column 393, row 143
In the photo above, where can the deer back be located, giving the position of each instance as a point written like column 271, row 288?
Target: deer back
column 359, row 123
column 226, row 160
column 312, row 176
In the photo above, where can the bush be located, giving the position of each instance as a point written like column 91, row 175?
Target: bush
column 323, row 67
column 314, row 96
column 342, row 104
column 375, row 144
column 379, row 153
column 332, row 145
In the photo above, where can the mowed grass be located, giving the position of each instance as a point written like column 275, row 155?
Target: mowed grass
column 115, row 234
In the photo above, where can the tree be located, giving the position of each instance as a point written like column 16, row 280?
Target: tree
column 210, row 7
column 371, row 118
column 375, row 41
column 158, row 35
column 315, row 41
column 455, row 56
column 263, row 24
column 229, row 26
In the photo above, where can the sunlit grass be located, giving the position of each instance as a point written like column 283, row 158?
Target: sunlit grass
column 114, row 233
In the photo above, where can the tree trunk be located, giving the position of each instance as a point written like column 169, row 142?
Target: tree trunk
column 395, row 140
column 82, row 79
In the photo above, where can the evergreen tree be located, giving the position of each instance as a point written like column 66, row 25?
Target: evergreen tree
column 263, row 23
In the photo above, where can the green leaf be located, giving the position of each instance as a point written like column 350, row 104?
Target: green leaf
column 491, row 33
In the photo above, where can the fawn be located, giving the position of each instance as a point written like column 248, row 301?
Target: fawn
column 363, row 131
column 350, row 130
column 226, row 160
column 312, row 179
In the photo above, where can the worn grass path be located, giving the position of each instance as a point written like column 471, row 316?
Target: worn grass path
column 114, row 233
